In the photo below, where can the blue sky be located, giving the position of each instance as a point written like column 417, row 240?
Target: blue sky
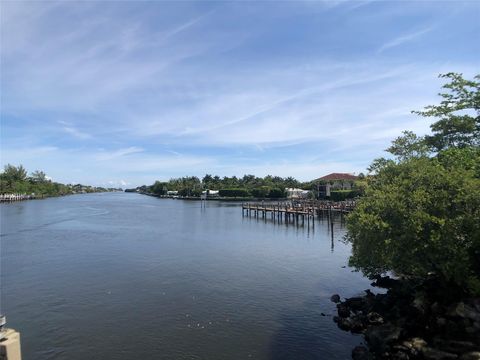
column 124, row 93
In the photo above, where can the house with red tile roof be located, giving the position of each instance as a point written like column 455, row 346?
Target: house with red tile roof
column 334, row 181
column 338, row 177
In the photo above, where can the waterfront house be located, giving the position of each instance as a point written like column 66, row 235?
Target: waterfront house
column 210, row 194
column 297, row 193
column 334, row 181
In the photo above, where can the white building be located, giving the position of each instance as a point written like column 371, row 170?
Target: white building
column 334, row 181
column 293, row 193
column 210, row 193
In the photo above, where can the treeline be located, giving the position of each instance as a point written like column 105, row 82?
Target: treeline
column 15, row 180
column 248, row 186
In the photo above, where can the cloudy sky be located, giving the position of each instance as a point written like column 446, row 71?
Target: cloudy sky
column 124, row 93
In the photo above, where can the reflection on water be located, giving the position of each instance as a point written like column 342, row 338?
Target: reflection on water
column 126, row 276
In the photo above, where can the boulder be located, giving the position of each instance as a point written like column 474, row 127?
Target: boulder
column 360, row 353
column 455, row 346
column 374, row 318
column 441, row 322
column 400, row 355
column 335, row 298
column 379, row 337
column 343, row 310
column 385, row 282
column 476, row 304
column 436, row 308
column 344, row 323
column 409, row 309
column 470, row 330
column 464, row 311
column 474, row 355
column 353, row 324
column 370, row 295
column 357, row 324
column 356, row 303
column 414, row 345
column 471, row 313
column 420, row 303
column 435, row 354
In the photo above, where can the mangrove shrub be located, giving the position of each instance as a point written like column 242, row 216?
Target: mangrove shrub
column 421, row 211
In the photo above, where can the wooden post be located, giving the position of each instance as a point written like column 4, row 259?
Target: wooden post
column 10, row 345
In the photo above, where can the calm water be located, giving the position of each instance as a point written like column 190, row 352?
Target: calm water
column 126, row 276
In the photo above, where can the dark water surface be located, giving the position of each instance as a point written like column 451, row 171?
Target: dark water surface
column 126, row 276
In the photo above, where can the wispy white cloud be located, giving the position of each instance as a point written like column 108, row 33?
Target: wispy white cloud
column 404, row 39
column 303, row 170
column 266, row 117
column 19, row 154
column 117, row 183
column 176, row 153
column 173, row 88
column 73, row 131
column 111, row 155
column 183, row 27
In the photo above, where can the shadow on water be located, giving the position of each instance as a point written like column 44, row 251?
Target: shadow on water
column 332, row 224
column 307, row 333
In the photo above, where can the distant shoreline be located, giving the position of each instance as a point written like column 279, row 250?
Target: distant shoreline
column 13, row 198
column 197, row 198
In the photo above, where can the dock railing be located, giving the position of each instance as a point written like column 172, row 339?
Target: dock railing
column 296, row 210
column 16, row 197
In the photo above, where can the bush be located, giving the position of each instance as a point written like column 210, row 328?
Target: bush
column 236, row 192
column 421, row 212
column 260, row 192
column 341, row 195
column 421, row 216
column 276, row 193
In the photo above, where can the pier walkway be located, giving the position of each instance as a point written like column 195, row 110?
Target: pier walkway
column 15, row 197
column 297, row 211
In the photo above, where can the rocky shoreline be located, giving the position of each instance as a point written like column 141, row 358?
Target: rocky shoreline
column 414, row 319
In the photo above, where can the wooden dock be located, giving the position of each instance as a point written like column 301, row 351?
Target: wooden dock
column 298, row 212
column 15, row 197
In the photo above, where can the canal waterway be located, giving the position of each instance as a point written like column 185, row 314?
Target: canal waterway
column 127, row 276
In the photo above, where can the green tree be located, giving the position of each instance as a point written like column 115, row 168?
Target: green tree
column 14, row 173
column 38, row 176
column 409, row 145
column 277, row 193
column 159, row 188
column 458, row 114
column 12, row 179
column 260, row 192
column 291, row 182
column 421, row 214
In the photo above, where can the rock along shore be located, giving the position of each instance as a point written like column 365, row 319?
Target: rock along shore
column 413, row 320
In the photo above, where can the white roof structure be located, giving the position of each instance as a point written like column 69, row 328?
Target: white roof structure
column 297, row 193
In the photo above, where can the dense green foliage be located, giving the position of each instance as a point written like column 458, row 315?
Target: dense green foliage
column 421, row 211
column 458, row 123
column 234, row 192
column 272, row 187
column 268, row 187
column 341, row 195
column 14, row 180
